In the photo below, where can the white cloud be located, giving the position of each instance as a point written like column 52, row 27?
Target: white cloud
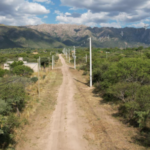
column 45, row 17
column 89, row 18
column 139, row 25
column 25, row 20
column 21, row 12
column 113, row 24
column 122, row 11
column 68, row 14
column 32, row 8
column 58, row 12
column 44, row 1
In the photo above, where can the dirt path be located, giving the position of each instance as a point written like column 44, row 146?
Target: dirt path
column 65, row 130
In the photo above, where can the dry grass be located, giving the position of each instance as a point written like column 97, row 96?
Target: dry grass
column 104, row 131
column 37, row 111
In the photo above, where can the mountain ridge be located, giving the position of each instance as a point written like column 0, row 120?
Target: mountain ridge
column 61, row 35
column 78, row 33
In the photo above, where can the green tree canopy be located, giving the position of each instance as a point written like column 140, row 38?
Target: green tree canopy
column 16, row 63
column 2, row 72
column 22, row 70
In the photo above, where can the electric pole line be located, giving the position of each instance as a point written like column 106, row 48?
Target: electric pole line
column 86, row 58
column 74, row 50
column 49, row 63
column 90, row 43
column 38, row 77
column 39, row 63
column 74, row 62
column 74, row 57
column 66, row 53
column 52, row 62
column 106, row 54
column 69, row 55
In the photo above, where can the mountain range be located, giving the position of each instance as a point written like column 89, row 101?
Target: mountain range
column 60, row 35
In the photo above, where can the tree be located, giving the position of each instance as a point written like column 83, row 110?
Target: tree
column 125, row 91
column 12, row 98
column 22, row 70
column 16, row 63
column 2, row 72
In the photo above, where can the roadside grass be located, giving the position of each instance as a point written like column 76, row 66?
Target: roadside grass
column 37, row 110
column 99, row 132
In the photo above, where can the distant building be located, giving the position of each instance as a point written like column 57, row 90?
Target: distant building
column 33, row 66
column 35, row 53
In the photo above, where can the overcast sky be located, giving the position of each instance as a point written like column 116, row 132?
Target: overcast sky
column 101, row 13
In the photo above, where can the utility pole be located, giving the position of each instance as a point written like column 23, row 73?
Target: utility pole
column 74, row 62
column 39, row 63
column 86, row 58
column 49, row 63
column 66, row 53
column 52, row 62
column 74, row 58
column 38, row 77
column 90, row 42
column 69, row 55
column 74, row 50
column 106, row 54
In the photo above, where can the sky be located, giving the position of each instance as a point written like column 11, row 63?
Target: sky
column 93, row 13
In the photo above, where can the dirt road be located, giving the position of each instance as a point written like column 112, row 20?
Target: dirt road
column 65, row 131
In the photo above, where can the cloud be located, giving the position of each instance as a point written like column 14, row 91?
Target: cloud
column 113, row 24
column 139, row 25
column 106, row 5
column 21, row 12
column 57, row 12
column 89, row 18
column 45, row 17
column 32, row 8
column 122, row 11
column 44, row 1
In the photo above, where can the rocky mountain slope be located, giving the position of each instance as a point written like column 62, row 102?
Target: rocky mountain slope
column 102, row 37
column 60, row 35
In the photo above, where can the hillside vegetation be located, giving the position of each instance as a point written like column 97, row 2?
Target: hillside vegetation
column 12, row 37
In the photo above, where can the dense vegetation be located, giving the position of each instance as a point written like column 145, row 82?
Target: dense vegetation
column 13, row 89
column 122, row 77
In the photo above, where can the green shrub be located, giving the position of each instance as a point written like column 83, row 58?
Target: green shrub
column 14, row 101
column 22, row 70
column 44, row 77
column 7, row 124
column 15, row 64
column 2, row 72
column 34, row 79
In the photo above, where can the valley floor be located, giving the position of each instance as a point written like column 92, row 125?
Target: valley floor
column 80, row 120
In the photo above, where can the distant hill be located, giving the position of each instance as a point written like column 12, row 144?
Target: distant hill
column 60, row 35
column 102, row 37
column 11, row 36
